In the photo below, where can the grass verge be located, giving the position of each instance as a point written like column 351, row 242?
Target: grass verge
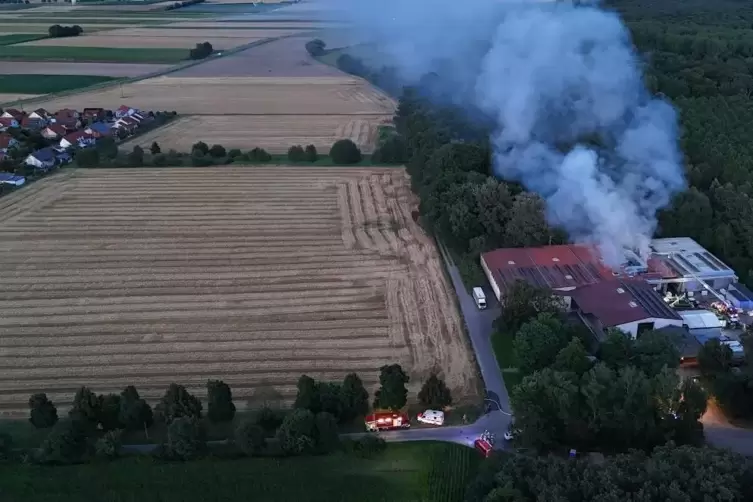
column 504, row 351
column 91, row 54
column 44, row 84
column 409, row 472
column 18, row 38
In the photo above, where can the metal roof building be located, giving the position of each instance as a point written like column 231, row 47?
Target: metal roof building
column 691, row 264
column 700, row 319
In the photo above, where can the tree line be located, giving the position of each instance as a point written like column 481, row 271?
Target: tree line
column 106, row 153
column 96, row 423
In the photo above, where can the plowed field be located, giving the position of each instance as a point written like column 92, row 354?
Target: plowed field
column 252, row 275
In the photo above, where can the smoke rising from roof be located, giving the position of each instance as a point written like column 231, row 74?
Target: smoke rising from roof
column 574, row 122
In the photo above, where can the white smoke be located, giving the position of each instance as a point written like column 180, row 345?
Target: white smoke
column 549, row 75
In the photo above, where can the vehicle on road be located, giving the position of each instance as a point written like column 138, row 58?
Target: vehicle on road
column 387, row 420
column 432, row 417
column 485, row 444
column 479, row 297
column 510, row 433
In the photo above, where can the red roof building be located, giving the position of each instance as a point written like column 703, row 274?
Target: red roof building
column 630, row 305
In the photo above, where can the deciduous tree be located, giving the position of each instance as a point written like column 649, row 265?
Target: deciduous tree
column 186, row 438
column 135, row 413
column 176, row 403
column 354, row 398
column 297, row 434
column 249, row 438
column 43, row 413
column 392, row 393
column 434, row 394
column 522, row 302
column 220, row 399
column 539, row 341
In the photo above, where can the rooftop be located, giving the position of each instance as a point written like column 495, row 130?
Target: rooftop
column 700, row 319
column 687, row 258
column 622, row 301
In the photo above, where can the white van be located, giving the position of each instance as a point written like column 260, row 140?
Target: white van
column 433, row 417
column 479, row 297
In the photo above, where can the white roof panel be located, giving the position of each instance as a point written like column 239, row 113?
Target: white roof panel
column 700, row 319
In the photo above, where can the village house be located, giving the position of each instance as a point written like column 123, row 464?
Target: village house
column 94, row 114
column 127, row 123
column 125, row 111
column 40, row 113
column 12, row 113
column 99, row 130
column 43, row 159
column 33, row 124
column 54, row 131
column 6, row 123
column 79, row 139
column 7, row 141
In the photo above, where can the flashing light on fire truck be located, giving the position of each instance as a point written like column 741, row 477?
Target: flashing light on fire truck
column 387, row 420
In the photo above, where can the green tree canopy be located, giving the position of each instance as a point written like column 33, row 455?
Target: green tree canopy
column 176, row 403
column 220, row 401
column 392, row 393
column 539, row 341
column 434, row 393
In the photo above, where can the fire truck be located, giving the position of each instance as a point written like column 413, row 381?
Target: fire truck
column 387, row 420
column 485, row 444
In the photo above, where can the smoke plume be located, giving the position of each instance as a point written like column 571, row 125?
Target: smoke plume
column 574, row 122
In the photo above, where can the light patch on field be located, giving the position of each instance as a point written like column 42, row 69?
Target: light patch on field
column 274, row 133
column 187, row 41
column 239, row 95
column 254, row 275
column 105, row 69
column 9, row 97
column 10, row 28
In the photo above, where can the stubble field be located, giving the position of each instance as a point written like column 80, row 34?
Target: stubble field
column 252, row 275
column 274, row 133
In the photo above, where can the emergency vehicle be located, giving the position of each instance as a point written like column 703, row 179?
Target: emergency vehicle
column 387, row 420
column 485, row 444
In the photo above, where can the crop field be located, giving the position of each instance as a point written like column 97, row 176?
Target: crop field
column 100, row 54
column 258, row 25
column 15, row 38
column 340, row 95
column 7, row 97
column 274, row 133
column 53, row 68
column 115, row 39
column 253, row 275
column 44, row 84
column 43, row 28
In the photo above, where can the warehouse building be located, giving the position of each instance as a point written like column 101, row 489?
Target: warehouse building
column 632, row 306
column 685, row 267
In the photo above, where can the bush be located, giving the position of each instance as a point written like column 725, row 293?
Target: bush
column 311, row 153
column 159, row 160
column 108, row 446
column 67, row 443
column 201, row 51
column 186, row 439
column 155, row 149
column 315, row 47
column 345, row 152
column 6, row 446
column 249, row 438
column 296, row 154
column 259, row 155
column 268, row 419
column 57, row 31
column 369, row 446
column 198, row 159
column 217, row 151
column 200, row 146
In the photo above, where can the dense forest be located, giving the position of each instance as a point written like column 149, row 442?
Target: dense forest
column 700, row 55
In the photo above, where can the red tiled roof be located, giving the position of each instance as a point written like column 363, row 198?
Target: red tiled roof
column 621, row 301
column 5, row 140
column 553, row 267
column 6, row 121
column 74, row 136
column 17, row 114
column 123, row 108
column 57, row 129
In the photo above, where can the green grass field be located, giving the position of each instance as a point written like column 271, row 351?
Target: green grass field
column 502, row 344
column 408, row 472
column 18, row 38
column 45, row 84
column 91, row 54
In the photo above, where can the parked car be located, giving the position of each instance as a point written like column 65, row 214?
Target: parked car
column 432, row 417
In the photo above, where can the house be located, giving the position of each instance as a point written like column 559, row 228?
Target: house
column 33, row 124
column 12, row 113
column 43, row 159
column 54, row 131
column 94, row 114
column 6, row 123
column 80, row 139
column 12, row 179
column 632, row 306
column 7, row 141
column 67, row 112
column 125, row 111
column 99, row 129
column 40, row 113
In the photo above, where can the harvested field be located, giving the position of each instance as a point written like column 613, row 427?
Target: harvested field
column 254, row 276
column 269, row 25
column 280, row 58
column 43, row 28
column 107, row 69
column 185, row 41
column 239, row 96
column 274, row 133
column 8, row 97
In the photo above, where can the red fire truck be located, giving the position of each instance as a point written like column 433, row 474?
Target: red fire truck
column 387, row 420
column 485, row 444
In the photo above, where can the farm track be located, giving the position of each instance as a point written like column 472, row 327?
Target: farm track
column 147, row 277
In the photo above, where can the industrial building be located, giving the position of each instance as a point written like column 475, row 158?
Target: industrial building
column 629, row 298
